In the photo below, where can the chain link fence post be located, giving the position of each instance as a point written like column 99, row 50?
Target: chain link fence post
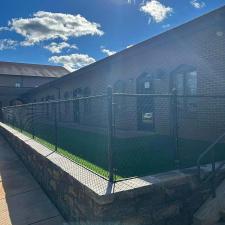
column 213, row 173
column 13, row 120
column 20, row 120
column 1, row 114
column 32, row 119
column 175, row 128
column 55, row 125
column 110, row 133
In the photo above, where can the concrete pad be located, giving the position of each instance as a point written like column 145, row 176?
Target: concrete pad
column 27, row 208
column 21, row 182
column 22, row 201
column 58, row 220
column 11, row 169
column 6, row 156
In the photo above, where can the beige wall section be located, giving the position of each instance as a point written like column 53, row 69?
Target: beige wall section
column 25, row 81
column 11, row 87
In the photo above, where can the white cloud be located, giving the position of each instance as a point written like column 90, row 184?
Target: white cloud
column 46, row 26
column 72, row 62
column 107, row 51
column 197, row 4
column 58, row 47
column 4, row 29
column 7, row 44
column 157, row 11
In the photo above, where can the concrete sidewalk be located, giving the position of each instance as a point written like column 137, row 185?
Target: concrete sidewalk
column 22, row 201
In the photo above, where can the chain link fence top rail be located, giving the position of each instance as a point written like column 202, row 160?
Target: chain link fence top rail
column 119, row 135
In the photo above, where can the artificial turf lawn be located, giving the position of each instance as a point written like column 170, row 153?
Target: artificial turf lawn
column 136, row 156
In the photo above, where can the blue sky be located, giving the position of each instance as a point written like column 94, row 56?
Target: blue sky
column 75, row 33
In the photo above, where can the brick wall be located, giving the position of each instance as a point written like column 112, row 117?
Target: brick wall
column 199, row 44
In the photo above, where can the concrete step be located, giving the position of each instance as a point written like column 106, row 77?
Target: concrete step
column 211, row 211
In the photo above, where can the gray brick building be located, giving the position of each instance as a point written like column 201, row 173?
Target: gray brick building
column 18, row 78
column 189, row 58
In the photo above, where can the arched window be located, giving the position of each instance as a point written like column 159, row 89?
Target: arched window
column 47, row 105
column 78, row 93
column 16, row 101
column 1, row 113
column 184, row 80
column 66, row 95
column 145, row 84
column 145, row 104
column 51, row 105
column 119, row 100
column 75, row 93
column 87, row 92
column 66, row 103
column 119, row 86
column 87, row 102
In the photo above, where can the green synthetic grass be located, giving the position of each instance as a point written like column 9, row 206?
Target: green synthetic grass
column 136, row 156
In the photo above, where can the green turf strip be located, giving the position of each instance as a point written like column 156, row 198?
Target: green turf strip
column 137, row 156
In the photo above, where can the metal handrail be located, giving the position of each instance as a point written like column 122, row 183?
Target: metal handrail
column 209, row 148
column 215, row 170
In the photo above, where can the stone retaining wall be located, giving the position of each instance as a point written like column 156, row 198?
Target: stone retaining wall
column 164, row 199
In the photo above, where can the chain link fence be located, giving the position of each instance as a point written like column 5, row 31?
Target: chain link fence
column 75, row 128
column 143, row 136
column 201, row 120
column 121, row 135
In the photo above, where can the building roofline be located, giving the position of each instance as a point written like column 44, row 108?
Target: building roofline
column 26, row 76
column 33, row 64
column 31, row 70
